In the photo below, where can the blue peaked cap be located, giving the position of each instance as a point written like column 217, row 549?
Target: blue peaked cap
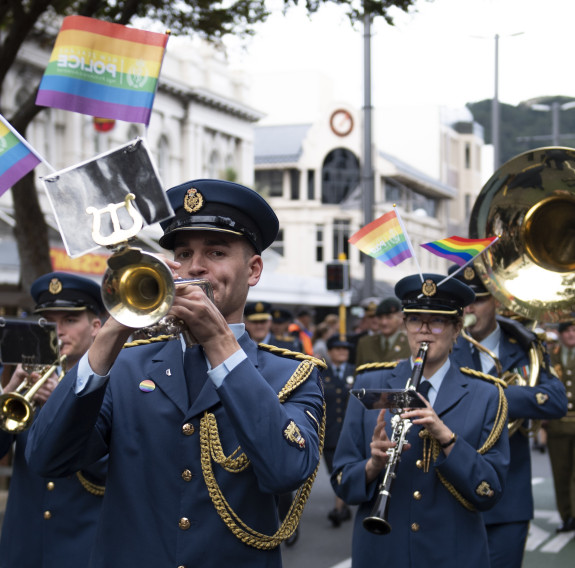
column 223, row 206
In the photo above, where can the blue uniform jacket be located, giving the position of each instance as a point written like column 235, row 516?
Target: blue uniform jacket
column 545, row 401
column 48, row 523
column 336, row 392
column 430, row 527
column 155, row 477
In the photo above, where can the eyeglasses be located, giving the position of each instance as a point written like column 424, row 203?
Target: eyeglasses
column 436, row 324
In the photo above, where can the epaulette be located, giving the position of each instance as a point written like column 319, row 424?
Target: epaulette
column 372, row 366
column 282, row 352
column 484, row 376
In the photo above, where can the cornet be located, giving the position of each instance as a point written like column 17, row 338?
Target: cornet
column 17, row 409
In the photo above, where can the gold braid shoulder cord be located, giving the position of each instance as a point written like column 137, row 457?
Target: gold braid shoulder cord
column 496, row 431
column 211, row 449
column 90, row 487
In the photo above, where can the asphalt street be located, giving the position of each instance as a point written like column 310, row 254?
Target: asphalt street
column 321, row 546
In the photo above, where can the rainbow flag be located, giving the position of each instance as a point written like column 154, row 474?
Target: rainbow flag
column 16, row 159
column 383, row 239
column 458, row 249
column 103, row 69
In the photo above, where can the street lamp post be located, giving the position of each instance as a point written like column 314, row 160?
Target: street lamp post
column 367, row 167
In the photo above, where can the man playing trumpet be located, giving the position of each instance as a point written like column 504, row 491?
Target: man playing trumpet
column 202, row 440
column 50, row 523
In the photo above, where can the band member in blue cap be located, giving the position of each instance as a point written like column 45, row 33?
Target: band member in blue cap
column 459, row 451
column 202, row 440
column 508, row 522
column 50, row 523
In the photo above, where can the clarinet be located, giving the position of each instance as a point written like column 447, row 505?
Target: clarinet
column 377, row 522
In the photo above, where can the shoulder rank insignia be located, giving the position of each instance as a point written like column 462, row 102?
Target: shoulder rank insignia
column 484, row 490
column 541, row 398
column 293, row 435
column 374, row 366
column 282, row 352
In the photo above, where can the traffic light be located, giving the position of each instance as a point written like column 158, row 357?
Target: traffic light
column 337, row 275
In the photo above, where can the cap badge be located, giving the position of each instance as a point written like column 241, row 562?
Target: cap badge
column 469, row 273
column 193, row 201
column 259, row 307
column 429, row 288
column 55, row 286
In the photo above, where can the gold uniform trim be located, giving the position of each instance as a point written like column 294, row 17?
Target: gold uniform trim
column 211, row 451
column 90, row 487
column 374, row 366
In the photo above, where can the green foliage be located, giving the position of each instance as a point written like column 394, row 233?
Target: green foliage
column 523, row 128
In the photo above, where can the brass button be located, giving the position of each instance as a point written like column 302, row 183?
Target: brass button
column 418, row 464
column 188, row 429
column 417, row 495
column 569, row 394
column 47, row 515
column 181, row 566
column 569, row 405
column 184, row 524
column 568, row 383
column 187, row 475
column 414, row 527
column 338, row 400
column 339, row 419
column 50, row 486
column 338, row 391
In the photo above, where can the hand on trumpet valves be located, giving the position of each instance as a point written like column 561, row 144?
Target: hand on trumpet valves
column 427, row 418
column 21, row 377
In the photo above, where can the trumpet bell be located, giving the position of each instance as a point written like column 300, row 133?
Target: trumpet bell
column 138, row 288
column 530, row 203
column 16, row 413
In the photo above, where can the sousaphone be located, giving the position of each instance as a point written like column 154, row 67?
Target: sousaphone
column 530, row 203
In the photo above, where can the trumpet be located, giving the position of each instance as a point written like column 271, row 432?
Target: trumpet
column 138, row 290
column 17, row 409
column 377, row 522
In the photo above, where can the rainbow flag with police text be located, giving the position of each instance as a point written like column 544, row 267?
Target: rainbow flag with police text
column 383, row 239
column 103, row 69
column 16, row 159
column 459, row 250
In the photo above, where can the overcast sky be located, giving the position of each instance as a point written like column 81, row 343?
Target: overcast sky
column 443, row 53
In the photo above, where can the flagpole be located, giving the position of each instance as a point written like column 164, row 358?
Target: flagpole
column 408, row 240
column 469, row 261
column 24, row 141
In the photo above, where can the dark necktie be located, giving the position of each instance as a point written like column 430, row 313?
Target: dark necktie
column 476, row 356
column 423, row 388
column 196, row 371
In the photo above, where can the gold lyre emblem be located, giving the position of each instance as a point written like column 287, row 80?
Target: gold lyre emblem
column 469, row 273
column 193, row 201
column 55, row 286
column 293, row 435
column 118, row 235
column 484, row 490
column 429, row 288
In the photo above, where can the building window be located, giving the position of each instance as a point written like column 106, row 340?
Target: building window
column 467, row 156
column 278, row 245
column 164, row 159
column 319, row 245
column 341, row 234
column 269, row 183
column 294, row 184
column 311, row 184
column 467, row 205
column 339, row 175
column 395, row 193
